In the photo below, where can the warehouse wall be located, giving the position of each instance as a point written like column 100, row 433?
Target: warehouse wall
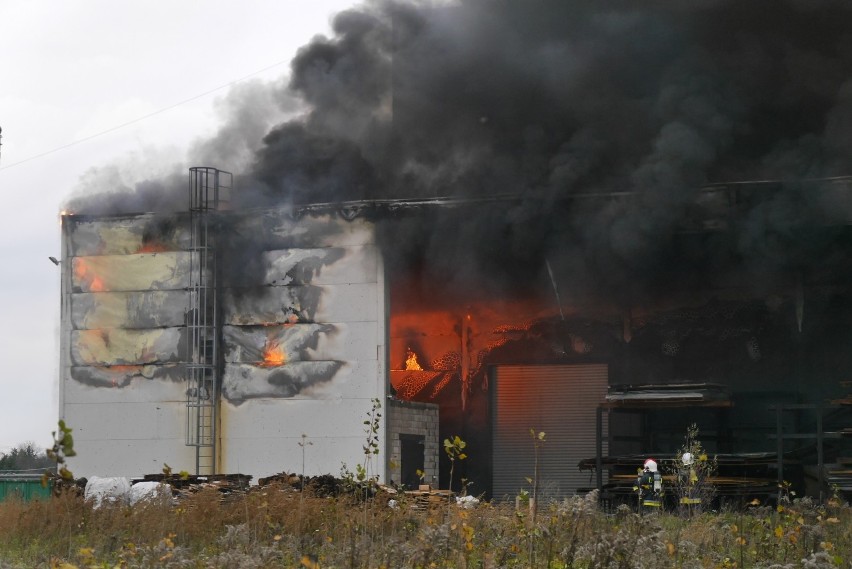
column 311, row 290
column 122, row 385
column 317, row 298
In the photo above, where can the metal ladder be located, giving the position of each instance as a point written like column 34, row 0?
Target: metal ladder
column 208, row 190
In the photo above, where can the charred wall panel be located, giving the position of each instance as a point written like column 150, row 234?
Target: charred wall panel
column 137, row 272
column 302, row 336
column 117, row 346
column 278, row 229
column 153, row 309
column 124, row 306
column 127, row 234
column 345, row 302
column 298, row 342
column 303, row 341
column 124, row 376
column 330, row 265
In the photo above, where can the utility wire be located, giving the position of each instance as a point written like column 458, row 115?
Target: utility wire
column 142, row 118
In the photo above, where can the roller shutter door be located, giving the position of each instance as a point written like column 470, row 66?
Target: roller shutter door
column 560, row 400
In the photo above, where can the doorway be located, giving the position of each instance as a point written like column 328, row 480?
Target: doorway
column 412, row 457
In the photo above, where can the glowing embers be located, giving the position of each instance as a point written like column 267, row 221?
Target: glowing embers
column 413, row 380
column 153, row 247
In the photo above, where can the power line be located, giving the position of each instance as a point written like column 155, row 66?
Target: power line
column 142, row 118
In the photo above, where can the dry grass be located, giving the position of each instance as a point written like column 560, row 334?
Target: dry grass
column 277, row 526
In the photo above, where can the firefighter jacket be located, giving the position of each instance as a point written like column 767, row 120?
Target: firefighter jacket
column 650, row 488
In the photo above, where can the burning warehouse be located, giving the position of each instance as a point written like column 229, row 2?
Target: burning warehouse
column 491, row 220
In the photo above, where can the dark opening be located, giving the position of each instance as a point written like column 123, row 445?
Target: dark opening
column 413, row 455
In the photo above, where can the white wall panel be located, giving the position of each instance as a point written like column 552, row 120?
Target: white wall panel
column 145, row 271
column 261, row 429
column 127, row 439
column 131, row 458
column 324, row 455
column 352, row 381
column 349, row 302
column 126, row 420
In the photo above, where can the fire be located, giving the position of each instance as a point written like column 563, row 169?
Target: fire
column 84, row 274
column 273, row 355
column 411, row 361
column 152, row 247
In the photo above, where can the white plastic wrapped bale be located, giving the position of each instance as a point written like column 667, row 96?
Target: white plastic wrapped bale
column 467, row 502
column 100, row 490
column 148, row 491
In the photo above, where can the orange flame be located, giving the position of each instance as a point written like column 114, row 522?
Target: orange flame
column 85, row 275
column 273, row 355
column 411, row 361
column 152, row 247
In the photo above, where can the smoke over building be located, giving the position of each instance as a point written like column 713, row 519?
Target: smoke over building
column 655, row 193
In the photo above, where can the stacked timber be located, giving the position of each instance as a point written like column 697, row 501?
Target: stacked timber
column 839, row 476
column 669, row 394
column 426, row 497
column 324, row 485
column 228, row 485
column 740, row 476
column 847, row 400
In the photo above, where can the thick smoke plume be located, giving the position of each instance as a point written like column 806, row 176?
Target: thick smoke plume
column 552, row 101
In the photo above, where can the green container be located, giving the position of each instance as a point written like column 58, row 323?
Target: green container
column 25, row 488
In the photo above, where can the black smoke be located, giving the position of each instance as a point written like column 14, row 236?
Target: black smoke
column 564, row 104
column 551, row 97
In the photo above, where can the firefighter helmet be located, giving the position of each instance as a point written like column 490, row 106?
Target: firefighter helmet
column 687, row 459
column 651, row 465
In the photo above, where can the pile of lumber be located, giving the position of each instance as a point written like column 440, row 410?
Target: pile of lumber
column 424, row 498
column 228, row 485
column 839, row 476
column 668, row 394
column 324, row 485
column 847, row 400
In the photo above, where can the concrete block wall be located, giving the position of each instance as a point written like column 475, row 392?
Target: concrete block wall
column 413, row 418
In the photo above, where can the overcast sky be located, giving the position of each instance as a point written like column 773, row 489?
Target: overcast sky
column 72, row 70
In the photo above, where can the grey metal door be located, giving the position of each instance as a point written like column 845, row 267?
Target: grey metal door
column 560, row 400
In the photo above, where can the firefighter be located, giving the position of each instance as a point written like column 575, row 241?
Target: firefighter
column 649, row 485
column 688, row 482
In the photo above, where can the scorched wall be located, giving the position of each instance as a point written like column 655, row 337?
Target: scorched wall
column 302, row 342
